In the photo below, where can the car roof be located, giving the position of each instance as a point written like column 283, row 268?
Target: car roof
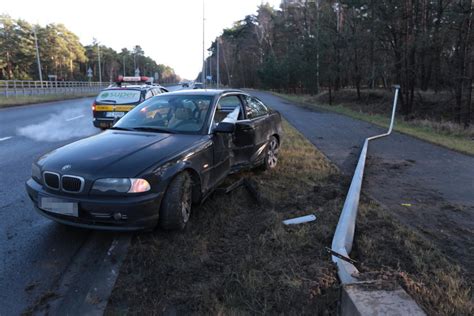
column 207, row 92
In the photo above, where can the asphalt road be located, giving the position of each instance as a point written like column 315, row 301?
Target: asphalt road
column 435, row 184
column 36, row 253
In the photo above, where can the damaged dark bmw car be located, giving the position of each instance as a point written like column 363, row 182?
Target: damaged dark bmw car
column 165, row 155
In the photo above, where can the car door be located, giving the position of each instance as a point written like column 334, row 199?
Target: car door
column 222, row 142
column 250, row 135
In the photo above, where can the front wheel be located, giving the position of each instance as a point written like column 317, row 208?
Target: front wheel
column 176, row 205
column 271, row 155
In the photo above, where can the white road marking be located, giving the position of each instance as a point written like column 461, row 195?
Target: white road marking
column 74, row 118
column 5, row 138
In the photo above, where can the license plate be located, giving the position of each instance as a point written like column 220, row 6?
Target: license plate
column 115, row 114
column 58, row 206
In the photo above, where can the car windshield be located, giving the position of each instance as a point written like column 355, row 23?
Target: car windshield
column 119, row 96
column 168, row 113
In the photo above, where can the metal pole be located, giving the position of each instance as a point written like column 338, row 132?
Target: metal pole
column 203, row 73
column 100, row 70
column 218, row 76
column 37, row 57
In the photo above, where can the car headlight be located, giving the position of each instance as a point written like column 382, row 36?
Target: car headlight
column 121, row 185
column 36, row 173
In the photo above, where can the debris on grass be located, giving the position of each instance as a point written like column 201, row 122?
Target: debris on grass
column 300, row 220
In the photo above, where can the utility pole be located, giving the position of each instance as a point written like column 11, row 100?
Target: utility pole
column 218, row 76
column 203, row 73
column 100, row 70
column 38, row 57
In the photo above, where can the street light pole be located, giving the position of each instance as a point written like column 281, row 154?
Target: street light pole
column 37, row 57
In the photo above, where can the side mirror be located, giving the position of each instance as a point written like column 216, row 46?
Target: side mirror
column 224, row 127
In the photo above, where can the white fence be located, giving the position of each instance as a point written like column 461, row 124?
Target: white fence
column 12, row 88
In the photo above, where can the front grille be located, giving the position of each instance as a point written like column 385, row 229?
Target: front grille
column 72, row 184
column 51, row 180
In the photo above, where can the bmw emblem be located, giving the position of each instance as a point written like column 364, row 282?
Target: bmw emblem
column 66, row 167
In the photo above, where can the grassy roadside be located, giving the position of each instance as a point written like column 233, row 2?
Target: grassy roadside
column 236, row 257
column 419, row 129
column 32, row 99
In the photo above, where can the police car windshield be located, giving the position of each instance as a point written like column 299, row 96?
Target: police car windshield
column 173, row 113
column 119, row 96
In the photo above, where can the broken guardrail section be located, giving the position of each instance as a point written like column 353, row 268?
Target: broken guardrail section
column 356, row 298
column 344, row 235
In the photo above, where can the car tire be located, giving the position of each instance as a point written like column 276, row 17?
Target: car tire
column 271, row 154
column 177, row 202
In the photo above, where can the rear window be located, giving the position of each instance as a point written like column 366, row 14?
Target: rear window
column 119, row 96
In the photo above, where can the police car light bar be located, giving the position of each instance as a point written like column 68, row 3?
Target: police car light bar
column 133, row 79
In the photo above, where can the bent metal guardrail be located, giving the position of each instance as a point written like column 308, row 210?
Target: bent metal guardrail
column 13, row 88
column 344, row 235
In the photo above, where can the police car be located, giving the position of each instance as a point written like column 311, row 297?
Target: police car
column 115, row 101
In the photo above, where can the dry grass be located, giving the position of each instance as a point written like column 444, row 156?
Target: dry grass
column 446, row 128
column 236, row 257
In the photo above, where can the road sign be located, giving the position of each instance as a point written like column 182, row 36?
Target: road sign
column 157, row 76
column 89, row 72
column 137, row 72
column 209, row 77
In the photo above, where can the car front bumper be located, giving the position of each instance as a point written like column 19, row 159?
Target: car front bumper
column 104, row 213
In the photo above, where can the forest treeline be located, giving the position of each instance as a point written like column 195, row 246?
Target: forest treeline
column 306, row 46
column 62, row 54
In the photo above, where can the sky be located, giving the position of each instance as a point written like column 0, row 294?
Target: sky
column 169, row 31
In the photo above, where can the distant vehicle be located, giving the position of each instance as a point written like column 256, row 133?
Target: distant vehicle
column 198, row 85
column 167, row 154
column 118, row 99
column 185, row 85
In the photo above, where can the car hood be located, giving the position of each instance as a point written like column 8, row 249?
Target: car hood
column 116, row 153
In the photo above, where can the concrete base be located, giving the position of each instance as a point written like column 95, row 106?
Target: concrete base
column 372, row 299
